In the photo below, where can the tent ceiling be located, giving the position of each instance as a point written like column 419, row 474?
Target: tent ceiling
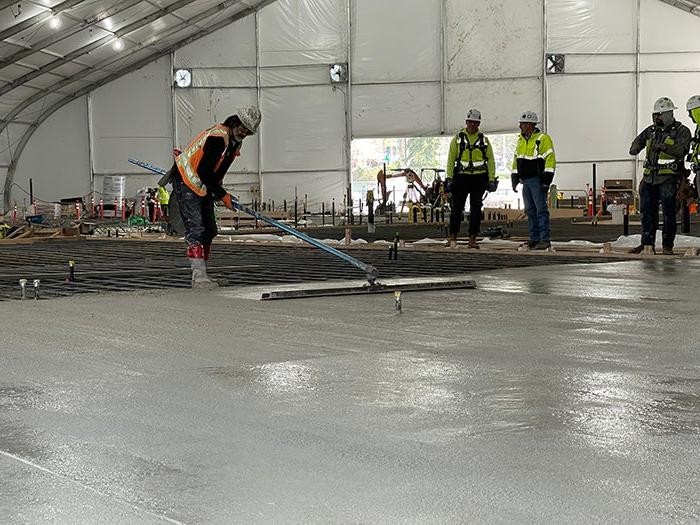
column 692, row 6
column 54, row 51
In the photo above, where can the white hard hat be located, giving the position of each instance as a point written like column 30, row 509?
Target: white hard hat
column 250, row 117
column 664, row 104
column 693, row 103
column 529, row 116
column 474, row 114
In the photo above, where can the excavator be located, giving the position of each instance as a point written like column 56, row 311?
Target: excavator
column 416, row 191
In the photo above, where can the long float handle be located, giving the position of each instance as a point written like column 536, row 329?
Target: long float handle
column 370, row 271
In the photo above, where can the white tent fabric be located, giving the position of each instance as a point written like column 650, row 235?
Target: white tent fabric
column 415, row 67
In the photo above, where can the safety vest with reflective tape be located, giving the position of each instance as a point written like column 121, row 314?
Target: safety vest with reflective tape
column 665, row 164
column 538, row 149
column 188, row 160
column 695, row 142
column 470, row 155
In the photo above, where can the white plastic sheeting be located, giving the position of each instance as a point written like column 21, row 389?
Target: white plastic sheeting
column 592, row 26
column 294, row 32
column 416, row 67
column 501, row 102
column 132, row 117
column 578, row 115
column 666, row 28
column 297, row 135
column 495, row 39
column 8, row 141
column 229, row 47
column 394, row 110
column 400, row 32
column 57, row 156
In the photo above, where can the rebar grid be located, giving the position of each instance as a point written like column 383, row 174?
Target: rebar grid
column 105, row 266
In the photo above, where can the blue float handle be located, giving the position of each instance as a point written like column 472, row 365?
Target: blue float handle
column 370, row 271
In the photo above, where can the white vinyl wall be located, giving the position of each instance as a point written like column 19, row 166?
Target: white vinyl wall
column 415, row 67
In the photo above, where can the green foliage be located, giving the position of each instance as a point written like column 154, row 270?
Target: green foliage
column 421, row 152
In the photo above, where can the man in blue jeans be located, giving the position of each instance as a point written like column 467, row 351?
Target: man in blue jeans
column 534, row 163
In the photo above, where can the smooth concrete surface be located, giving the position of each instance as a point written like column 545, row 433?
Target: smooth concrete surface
column 567, row 394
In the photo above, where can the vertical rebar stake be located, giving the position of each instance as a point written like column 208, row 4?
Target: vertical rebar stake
column 397, row 301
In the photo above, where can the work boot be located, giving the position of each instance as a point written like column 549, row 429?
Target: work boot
column 451, row 241
column 206, row 248
column 640, row 249
column 543, row 245
column 200, row 279
column 531, row 244
column 667, row 250
column 472, row 242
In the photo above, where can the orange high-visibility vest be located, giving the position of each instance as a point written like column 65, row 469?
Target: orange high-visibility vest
column 188, row 160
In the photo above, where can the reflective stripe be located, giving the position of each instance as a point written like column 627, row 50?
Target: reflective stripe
column 192, row 154
column 475, row 164
column 666, row 161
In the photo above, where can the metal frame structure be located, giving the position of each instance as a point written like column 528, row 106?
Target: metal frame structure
column 195, row 19
column 112, row 68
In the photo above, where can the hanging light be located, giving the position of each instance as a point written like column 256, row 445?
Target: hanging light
column 54, row 22
column 118, row 44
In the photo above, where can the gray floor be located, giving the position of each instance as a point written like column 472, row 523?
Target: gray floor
column 560, row 394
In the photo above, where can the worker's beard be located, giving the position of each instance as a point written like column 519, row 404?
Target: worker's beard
column 664, row 119
column 237, row 135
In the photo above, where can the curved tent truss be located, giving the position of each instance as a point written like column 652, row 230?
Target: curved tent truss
column 609, row 62
column 56, row 51
column 692, row 6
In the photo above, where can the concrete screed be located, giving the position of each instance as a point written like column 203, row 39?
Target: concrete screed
column 559, row 394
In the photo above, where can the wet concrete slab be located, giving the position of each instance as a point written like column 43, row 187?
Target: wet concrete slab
column 549, row 394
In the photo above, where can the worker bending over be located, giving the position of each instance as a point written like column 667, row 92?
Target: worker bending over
column 197, row 178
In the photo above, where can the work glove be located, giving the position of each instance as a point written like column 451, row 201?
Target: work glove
column 492, row 186
column 546, row 180
column 448, row 186
column 514, row 179
column 228, row 201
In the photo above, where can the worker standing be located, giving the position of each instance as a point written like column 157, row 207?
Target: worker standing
column 666, row 143
column 693, row 107
column 197, row 178
column 534, row 163
column 471, row 170
column 163, row 200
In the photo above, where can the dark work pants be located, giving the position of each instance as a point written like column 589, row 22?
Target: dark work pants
column 197, row 213
column 473, row 186
column 650, row 196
